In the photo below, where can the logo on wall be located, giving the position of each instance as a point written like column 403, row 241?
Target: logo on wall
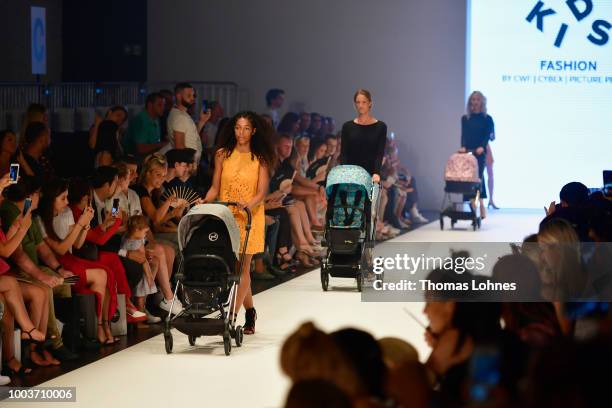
column 38, row 40
column 580, row 9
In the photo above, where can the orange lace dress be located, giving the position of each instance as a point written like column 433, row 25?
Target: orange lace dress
column 239, row 177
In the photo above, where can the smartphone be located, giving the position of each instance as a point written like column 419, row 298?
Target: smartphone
column 14, row 173
column 484, row 374
column 204, row 105
column 115, row 208
column 26, row 206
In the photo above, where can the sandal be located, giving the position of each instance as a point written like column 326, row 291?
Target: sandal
column 250, row 316
column 108, row 342
column 11, row 372
column 31, row 339
column 283, row 256
column 304, row 259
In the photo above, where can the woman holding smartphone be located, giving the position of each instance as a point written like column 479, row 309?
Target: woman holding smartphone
column 243, row 161
column 8, row 148
column 61, row 232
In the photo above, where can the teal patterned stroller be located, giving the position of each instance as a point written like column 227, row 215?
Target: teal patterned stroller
column 349, row 224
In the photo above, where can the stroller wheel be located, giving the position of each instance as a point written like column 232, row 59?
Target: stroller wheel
column 239, row 336
column 359, row 281
column 168, row 341
column 227, row 344
column 324, row 279
column 192, row 340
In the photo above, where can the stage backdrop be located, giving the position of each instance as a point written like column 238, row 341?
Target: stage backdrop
column 410, row 54
column 546, row 69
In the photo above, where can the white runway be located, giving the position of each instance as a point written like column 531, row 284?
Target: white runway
column 144, row 376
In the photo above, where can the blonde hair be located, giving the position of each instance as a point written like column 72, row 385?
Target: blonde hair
column 567, row 277
column 152, row 160
column 482, row 98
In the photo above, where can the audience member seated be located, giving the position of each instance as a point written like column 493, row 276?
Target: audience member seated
column 289, row 124
column 179, row 169
column 134, row 241
column 164, row 253
column 102, row 244
column 62, row 233
column 302, row 148
column 35, row 263
column 15, row 295
column 36, row 141
column 117, row 114
column 309, row 192
column 574, row 197
column 318, row 162
column 366, row 359
column 161, row 213
column 316, row 121
column 304, row 124
column 8, row 148
column 311, row 354
column 281, row 194
column 317, row 393
column 143, row 135
column 534, row 322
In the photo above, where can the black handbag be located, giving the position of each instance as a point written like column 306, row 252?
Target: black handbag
column 88, row 251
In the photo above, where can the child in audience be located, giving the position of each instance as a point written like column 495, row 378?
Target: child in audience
column 134, row 240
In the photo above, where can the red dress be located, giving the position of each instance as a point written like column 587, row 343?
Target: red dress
column 109, row 260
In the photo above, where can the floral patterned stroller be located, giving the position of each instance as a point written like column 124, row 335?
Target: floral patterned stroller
column 461, row 179
column 349, row 224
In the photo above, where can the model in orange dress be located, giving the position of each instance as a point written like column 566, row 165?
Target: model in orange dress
column 243, row 161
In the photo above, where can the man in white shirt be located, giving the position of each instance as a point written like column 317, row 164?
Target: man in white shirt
column 182, row 130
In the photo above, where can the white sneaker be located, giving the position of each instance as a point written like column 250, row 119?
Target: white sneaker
column 418, row 217
column 152, row 318
column 4, row 380
column 403, row 224
column 394, row 230
column 176, row 309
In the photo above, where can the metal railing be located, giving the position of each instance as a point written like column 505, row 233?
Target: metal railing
column 16, row 96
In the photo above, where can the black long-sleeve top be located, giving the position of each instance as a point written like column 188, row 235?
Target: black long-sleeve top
column 364, row 145
column 476, row 131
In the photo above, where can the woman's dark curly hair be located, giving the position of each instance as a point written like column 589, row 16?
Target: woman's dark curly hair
column 261, row 142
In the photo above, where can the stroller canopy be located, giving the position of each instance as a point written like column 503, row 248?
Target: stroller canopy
column 349, row 175
column 198, row 213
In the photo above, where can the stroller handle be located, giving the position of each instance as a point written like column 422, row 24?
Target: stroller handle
column 235, row 204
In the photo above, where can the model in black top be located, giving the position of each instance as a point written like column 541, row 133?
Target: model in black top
column 477, row 128
column 364, row 138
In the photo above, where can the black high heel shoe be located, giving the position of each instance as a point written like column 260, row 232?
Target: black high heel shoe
column 492, row 205
column 250, row 316
column 30, row 339
column 9, row 372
